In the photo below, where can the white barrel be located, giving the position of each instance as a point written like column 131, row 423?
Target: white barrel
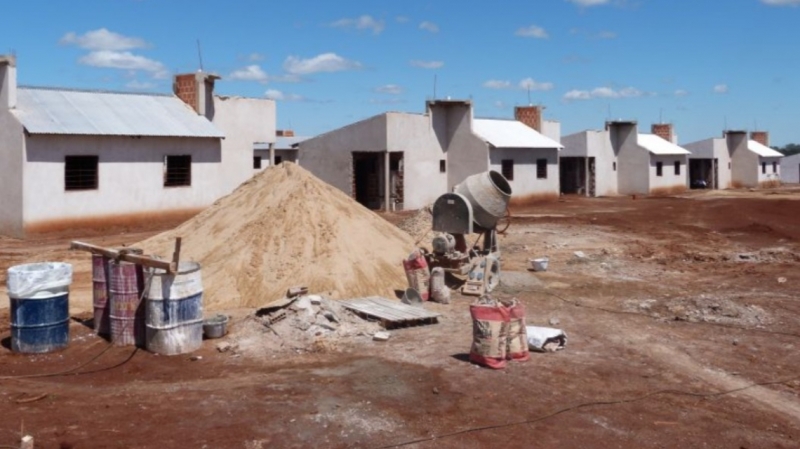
column 439, row 290
column 174, row 313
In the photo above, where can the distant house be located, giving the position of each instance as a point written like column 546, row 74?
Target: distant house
column 285, row 149
column 399, row 160
column 734, row 161
column 621, row 161
column 77, row 158
column 790, row 169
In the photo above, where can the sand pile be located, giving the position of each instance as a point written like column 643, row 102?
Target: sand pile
column 282, row 228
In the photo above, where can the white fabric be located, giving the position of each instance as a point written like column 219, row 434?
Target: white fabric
column 538, row 337
column 39, row 279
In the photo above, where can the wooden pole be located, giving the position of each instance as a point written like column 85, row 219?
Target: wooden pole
column 133, row 258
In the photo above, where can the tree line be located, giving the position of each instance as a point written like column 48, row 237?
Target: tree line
column 789, row 149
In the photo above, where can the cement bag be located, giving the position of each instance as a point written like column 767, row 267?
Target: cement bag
column 517, row 334
column 546, row 339
column 439, row 290
column 417, row 273
column 489, row 335
column 39, row 279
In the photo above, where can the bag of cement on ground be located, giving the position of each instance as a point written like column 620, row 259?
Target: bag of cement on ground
column 546, row 339
column 440, row 292
column 489, row 335
column 419, row 277
column 517, row 348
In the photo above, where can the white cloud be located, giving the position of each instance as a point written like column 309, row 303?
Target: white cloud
column 781, row 2
column 531, row 84
column 255, row 57
column 497, row 84
column 325, row 62
column 681, row 93
column 590, row 2
column 603, row 92
column 387, row 100
column 427, row 64
column 605, row 35
column 249, row 73
column 402, row 19
column 500, row 105
column 124, row 60
column 721, row 89
column 274, row 94
column 102, row 39
column 363, row 22
column 392, row 89
column 139, row 85
column 429, row 26
column 532, row 31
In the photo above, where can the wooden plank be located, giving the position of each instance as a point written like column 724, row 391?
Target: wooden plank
column 406, row 310
column 176, row 255
column 393, row 312
column 113, row 254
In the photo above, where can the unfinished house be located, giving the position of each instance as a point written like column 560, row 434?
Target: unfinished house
column 399, row 160
column 588, row 164
column 734, row 161
column 77, row 158
column 790, row 169
column 283, row 150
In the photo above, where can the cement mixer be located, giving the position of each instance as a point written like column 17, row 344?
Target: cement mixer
column 475, row 206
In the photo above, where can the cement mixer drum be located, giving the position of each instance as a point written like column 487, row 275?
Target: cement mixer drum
column 488, row 193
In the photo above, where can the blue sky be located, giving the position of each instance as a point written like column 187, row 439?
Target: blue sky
column 700, row 64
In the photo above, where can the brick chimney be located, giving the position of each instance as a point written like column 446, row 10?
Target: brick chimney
column 196, row 90
column 284, row 133
column 8, row 81
column 663, row 130
column 761, row 137
column 530, row 115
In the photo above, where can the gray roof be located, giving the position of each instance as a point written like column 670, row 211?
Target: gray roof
column 65, row 111
column 281, row 143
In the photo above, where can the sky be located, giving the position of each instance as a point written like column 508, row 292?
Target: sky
column 703, row 65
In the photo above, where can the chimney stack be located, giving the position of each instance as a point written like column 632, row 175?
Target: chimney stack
column 530, row 115
column 8, row 81
column 761, row 137
column 663, row 130
column 284, row 133
column 196, row 90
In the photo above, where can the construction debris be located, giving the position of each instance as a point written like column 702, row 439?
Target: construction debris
column 381, row 336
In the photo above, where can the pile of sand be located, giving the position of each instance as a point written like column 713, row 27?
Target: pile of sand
column 283, row 228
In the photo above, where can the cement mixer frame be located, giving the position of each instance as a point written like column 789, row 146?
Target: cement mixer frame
column 475, row 206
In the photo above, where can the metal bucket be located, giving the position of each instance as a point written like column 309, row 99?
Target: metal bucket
column 126, row 314
column 39, row 297
column 174, row 316
column 215, row 327
column 489, row 193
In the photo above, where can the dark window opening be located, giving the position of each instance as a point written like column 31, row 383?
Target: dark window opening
column 177, row 171
column 729, row 165
column 763, row 168
column 256, row 162
column 278, row 160
column 507, row 169
column 80, row 172
column 677, row 167
column 774, row 167
column 615, row 166
column 442, row 166
column 659, row 169
column 541, row 168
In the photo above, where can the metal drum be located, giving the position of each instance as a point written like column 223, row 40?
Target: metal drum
column 100, row 290
column 175, row 310
column 126, row 284
column 39, row 297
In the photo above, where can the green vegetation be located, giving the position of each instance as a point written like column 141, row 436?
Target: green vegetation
column 789, row 149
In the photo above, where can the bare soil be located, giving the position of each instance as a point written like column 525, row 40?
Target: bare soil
column 679, row 308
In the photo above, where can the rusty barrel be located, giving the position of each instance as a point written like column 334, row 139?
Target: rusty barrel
column 126, row 308
column 100, row 290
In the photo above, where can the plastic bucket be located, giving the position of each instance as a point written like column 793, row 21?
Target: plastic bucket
column 539, row 264
column 39, row 297
column 126, row 309
column 174, row 312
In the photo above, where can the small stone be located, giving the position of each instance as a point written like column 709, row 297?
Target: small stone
column 554, row 321
column 435, row 390
column 781, row 280
column 195, row 358
column 735, row 342
column 580, row 255
column 381, row 336
column 224, row 346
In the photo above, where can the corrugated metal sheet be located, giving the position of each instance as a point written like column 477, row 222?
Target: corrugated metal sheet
column 762, row 150
column 511, row 134
column 657, row 145
column 63, row 111
column 281, row 143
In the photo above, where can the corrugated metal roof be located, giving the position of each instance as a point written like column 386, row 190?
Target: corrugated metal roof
column 64, row 111
column 281, row 143
column 658, row 145
column 762, row 150
column 511, row 134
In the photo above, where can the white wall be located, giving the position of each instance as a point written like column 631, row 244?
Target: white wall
column 526, row 185
column 11, row 173
column 130, row 178
column 790, row 169
column 466, row 153
column 606, row 176
column 633, row 161
column 714, row 148
column 744, row 163
column 668, row 182
column 770, row 175
column 552, row 129
column 285, row 155
column 413, row 135
column 244, row 121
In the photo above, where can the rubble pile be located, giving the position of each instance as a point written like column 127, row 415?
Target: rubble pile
column 419, row 225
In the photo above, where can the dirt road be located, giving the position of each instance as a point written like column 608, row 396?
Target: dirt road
column 678, row 309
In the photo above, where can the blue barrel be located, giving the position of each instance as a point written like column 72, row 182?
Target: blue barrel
column 39, row 296
column 174, row 310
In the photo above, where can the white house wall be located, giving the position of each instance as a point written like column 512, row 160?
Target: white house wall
column 668, row 182
column 633, row 161
column 284, row 155
column 552, row 129
column 526, row 186
column 130, row 179
column 413, row 135
column 605, row 161
column 770, row 175
column 714, row 148
column 11, row 174
column 575, row 145
column 244, row 122
column 790, row 169
column 466, row 153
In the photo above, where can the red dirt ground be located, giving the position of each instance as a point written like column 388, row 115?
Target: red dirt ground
column 664, row 317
